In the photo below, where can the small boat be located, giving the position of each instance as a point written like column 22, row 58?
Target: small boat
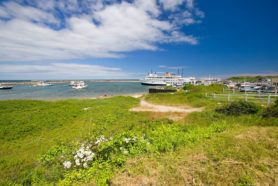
column 5, row 87
column 72, row 83
column 79, row 85
column 42, row 84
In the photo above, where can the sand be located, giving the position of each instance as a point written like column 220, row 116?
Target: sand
column 149, row 107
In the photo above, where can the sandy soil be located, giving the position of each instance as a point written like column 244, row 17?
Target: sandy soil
column 149, row 107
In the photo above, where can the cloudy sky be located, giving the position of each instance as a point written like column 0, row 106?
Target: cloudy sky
column 92, row 39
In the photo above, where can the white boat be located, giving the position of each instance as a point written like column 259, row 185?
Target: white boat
column 5, row 87
column 42, row 84
column 72, row 83
column 154, row 79
column 79, row 85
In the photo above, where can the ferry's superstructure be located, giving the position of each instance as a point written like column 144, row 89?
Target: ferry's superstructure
column 154, row 79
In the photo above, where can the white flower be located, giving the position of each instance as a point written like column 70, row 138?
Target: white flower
column 100, row 140
column 90, row 157
column 127, row 140
column 67, row 164
column 80, row 155
column 87, row 152
column 85, row 165
column 77, row 162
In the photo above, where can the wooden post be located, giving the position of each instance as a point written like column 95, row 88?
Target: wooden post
column 268, row 100
column 206, row 94
column 246, row 97
column 214, row 96
column 229, row 98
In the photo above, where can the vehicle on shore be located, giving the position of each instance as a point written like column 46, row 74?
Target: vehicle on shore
column 269, row 90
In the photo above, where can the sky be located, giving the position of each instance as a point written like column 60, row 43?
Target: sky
column 126, row 39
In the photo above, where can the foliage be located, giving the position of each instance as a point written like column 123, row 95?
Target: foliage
column 272, row 111
column 213, row 88
column 237, row 108
column 249, row 78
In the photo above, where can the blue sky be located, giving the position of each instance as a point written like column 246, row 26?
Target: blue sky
column 94, row 39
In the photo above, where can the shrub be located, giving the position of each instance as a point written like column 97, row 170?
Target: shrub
column 272, row 111
column 214, row 88
column 239, row 108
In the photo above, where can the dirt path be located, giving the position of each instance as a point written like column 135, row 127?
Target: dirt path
column 149, row 107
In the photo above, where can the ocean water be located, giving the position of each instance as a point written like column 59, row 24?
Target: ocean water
column 64, row 91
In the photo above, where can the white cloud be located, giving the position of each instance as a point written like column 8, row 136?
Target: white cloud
column 88, row 29
column 58, row 70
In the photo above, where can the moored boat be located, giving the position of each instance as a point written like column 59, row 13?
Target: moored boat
column 42, row 84
column 79, row 85
column 5, row 87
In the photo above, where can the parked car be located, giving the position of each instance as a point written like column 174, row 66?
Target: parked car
column 248, row 89
column 268, row 90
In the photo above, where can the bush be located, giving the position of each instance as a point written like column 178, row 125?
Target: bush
column 214, row 88
column 239, row 108
column 272, row 111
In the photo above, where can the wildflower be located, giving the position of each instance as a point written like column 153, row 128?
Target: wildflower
column 100, row 140
column 85, row 165
column 80, row 155
column 77, row 162
column 87, row 152
column 67, row 164
column 127, row 140
column 90, row 157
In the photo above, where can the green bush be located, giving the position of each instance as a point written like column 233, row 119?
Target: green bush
column 213, row 88
column 272, row 111
column 238, row 108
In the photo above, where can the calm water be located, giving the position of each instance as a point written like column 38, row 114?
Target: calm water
column 63, row 91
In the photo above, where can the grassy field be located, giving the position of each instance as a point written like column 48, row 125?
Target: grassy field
column 131, row 148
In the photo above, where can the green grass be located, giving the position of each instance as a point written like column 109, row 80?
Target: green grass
column 208, row 147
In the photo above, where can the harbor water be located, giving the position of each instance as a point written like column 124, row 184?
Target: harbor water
column 64, row 91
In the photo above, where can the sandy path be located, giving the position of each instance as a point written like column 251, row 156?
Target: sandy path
column 149, row 107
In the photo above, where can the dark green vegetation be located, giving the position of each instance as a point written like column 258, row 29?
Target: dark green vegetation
column 249, row 78
column 237, row 108
column 203, row 148
column 272, row 111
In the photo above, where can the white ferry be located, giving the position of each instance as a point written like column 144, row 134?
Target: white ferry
column 154, row 79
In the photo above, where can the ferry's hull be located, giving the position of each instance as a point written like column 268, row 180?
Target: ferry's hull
column 153, row 84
